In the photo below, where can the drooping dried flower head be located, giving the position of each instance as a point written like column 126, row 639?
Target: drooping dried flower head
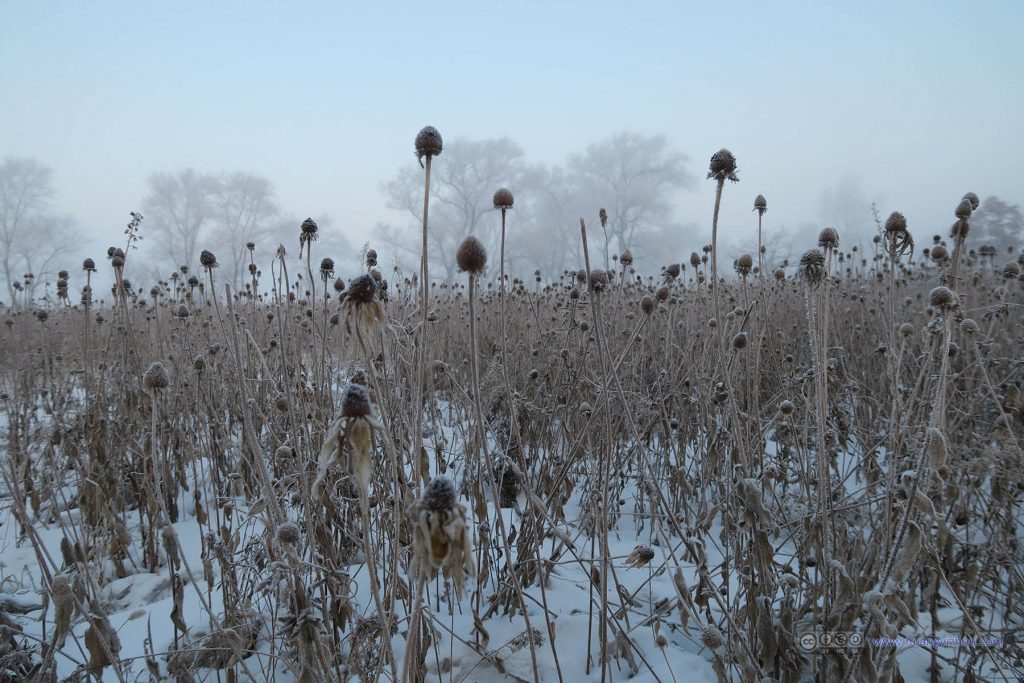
column 307, row 231
column 326, row 268
column 640, row 557
column 503, row 199
column 812, row 267
column 156, row 377
column 207, row 259
column 760, row 204
column 362, row 290
column 828, row 238
column 439, row 494
column 744, row 264
column 442, row 538
column 428, row 143
column 723, row 166
column 471, row 256
column 355, row 401
column 360, row 301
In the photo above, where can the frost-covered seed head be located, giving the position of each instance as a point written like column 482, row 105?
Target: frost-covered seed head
column 471, row 256
column 723, row 166
column 355, row 401
column 156, row 377
column 943, row 298
column 439, row 494
column 760, row 204
column 503, row 199
column 828, row 237
column 428, row 142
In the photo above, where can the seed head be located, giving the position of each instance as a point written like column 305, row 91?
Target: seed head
column 943, row 298
column 439, row 494
column 626, row 258
column 760, row 204
column 471, row 256
column 712, row 637
column 156, row 377
column 694, row 259
column 428, row 143
column 828, row 238
column 723, row 166
column 812, row 267
column 896, row 222
column 744, row 264
column 647, row 305
column 371, row 258
column 1011, row 270
column 289, row 534
column 906, row 330
column 740, row 341
column 786, row 407
column 965, row 208
column 672, row 271
column 307, row 231
column 207, row 260
column 355, row 401
column 503, row 199
column 362, row 290
column 326, row 268
column 939, row 253
column 968, row 326
column 598, row 280
column 339, row 284
column 89, row 265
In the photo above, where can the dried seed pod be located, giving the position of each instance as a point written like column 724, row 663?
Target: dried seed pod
column 439, row 494
column 786, row 407
column 739, row 342
column 943, row 298
column 598, row 280
column 828, row 238
column 428, row 142
column 471, row 256
column 503, row 199
column 289, row 534
column 812, row 268
column 723, row 166
column 355, row 401
column 156, row 377
column 640, row 557
column 626, row 258
column 760, row 204
column 647, row 305
column 711, row 637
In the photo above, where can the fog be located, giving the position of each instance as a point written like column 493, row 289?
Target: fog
column 828, row 109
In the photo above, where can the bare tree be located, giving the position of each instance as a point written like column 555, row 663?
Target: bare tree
column 179, row 205
column 30, row 238
column 243, row 210
column 633, row 177
column 998, row 224
column 463, row 181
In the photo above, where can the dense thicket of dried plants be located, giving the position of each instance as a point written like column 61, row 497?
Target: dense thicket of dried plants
column 591, row 475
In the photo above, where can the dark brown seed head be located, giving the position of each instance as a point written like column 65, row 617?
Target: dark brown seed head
column 1011, row 270
column 943, row 298
column 739, row 342
column 694, row 259
column 973, row 199
column 812, row 267
column 471, row 256
column 828, row 238
column 647, row 305
column 896, row 222
column 598, row 280
column 672, row 271
column 371, row 258
column 626, row 258
column 326, row 267
column 428, row 143
column 156, row 377
column 362, row 290
column 603, row 215
column 503, row 199
column 743, row 264
column 938, row 253
column 780, row 274
column 964, row 208
column 439, row 494
column 723, row 166
column 289, row 534
column 89, row 265
column 307, row 231
column 786, row 407
column 339, row 285
column 355, row 401
column 207, row 259
column 662, row 293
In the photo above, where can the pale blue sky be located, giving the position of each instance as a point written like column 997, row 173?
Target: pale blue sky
column 922, row 100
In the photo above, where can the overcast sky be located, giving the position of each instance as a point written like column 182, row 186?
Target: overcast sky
column 920, row 100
